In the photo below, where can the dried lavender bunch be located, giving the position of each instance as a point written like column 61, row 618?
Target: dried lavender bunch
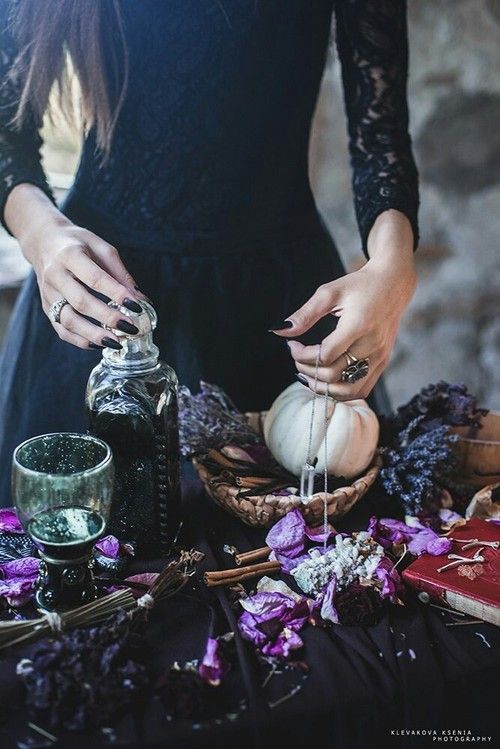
column 86, row 677
column 435, row 405
column 211, row 420
column 417, row 445
column 416, row 469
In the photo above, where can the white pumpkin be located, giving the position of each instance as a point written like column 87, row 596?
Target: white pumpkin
column 352, row 433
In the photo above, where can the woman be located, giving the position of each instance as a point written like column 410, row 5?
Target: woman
column 193, row 186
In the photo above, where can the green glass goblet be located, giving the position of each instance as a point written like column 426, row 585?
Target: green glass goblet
column 62, row 486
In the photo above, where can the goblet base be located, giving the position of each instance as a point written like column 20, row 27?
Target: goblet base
column 65, row 583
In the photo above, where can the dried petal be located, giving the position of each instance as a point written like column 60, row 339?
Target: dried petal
column 288, row 535
column 284, row 644
column 268, row 585
column 388, row 531
column 20, row 568
column 17, row 591
column 213, row 667
column 427, row 541
column 109, row 546
column 320, row 534
column 144, row 578
column 263, row 604
column 389, row 576
column 270, row 619
column 9, row 522
column 328, row 610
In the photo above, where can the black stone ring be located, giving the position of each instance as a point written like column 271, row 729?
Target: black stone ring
column 355, row 371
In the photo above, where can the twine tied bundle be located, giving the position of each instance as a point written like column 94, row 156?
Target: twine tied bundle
column 170, row 580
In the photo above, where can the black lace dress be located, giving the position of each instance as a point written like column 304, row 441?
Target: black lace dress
column 206, row 193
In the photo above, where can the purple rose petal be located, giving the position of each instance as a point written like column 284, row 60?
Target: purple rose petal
column 428, row 542
column 328, row 610
column 388, row 531
column 20, row 568
column 9, row 522
column 288, row 563
column 212, row 668
column 271, row 620
column 264, row 604
column 17, row 591
column 318, row 535
column 282, row 647
column 288, row 535
column 109, row 546
column 391, row 582
column 449, row 516
column 249, row 630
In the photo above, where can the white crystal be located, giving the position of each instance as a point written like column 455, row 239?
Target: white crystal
column 349, row 559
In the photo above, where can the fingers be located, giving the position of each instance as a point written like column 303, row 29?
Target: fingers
column 77, row 325
column 109, row 259
column 84, row 302
column 345, row 391
column 332, row 347
column 324, row 374
column 319, row 305
column 75, row 329
column 68, row 337
column 92, row 275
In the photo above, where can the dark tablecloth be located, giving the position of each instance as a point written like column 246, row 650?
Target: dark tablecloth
column 408, row 673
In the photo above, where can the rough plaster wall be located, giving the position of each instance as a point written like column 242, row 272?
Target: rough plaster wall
column 452, row 328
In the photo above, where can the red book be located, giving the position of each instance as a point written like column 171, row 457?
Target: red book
column 473, row 589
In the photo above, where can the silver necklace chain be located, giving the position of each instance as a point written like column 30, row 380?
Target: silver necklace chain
column 310, row 460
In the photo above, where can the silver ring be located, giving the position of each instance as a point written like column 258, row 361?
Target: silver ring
column 55, row 310
column 355, row 370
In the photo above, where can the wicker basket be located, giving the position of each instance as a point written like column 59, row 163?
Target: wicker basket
column 264, row 510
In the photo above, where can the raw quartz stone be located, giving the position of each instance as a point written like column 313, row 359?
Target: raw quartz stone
column 351, row 558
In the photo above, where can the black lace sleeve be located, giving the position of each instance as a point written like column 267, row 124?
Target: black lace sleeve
column 372, row 42
column 19, row 148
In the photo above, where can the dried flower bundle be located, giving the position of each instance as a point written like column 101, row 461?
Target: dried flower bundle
column 417, row 445
column 87, row 676
column 211, row 420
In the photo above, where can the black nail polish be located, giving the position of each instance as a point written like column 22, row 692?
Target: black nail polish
column 282, row 325
column 127, row 327
column 95, row 345
column 111, row 343
column 143, row 294
column 132, row 306
column 302, row 379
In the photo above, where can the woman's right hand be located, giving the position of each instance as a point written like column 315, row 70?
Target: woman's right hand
column 68, row 261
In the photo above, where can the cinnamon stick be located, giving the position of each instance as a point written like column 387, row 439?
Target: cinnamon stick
column 233, row 576
column 254, row 555
column 243, row 573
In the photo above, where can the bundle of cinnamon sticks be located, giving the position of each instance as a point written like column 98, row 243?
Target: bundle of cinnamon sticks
column 246, row 568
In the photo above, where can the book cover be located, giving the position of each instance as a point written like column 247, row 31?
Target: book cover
column 473, row 588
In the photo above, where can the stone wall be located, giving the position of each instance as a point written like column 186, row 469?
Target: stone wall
column 452, row 328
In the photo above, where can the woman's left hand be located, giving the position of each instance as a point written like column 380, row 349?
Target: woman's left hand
column 369, row 303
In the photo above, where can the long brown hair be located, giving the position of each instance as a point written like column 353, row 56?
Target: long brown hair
column 89, row 33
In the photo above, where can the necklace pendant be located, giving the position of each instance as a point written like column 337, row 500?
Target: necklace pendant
column 306, row 482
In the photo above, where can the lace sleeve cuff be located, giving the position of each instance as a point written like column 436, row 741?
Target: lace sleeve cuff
column 368, row 211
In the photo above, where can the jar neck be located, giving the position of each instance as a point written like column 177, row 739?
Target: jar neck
column 137, row 355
